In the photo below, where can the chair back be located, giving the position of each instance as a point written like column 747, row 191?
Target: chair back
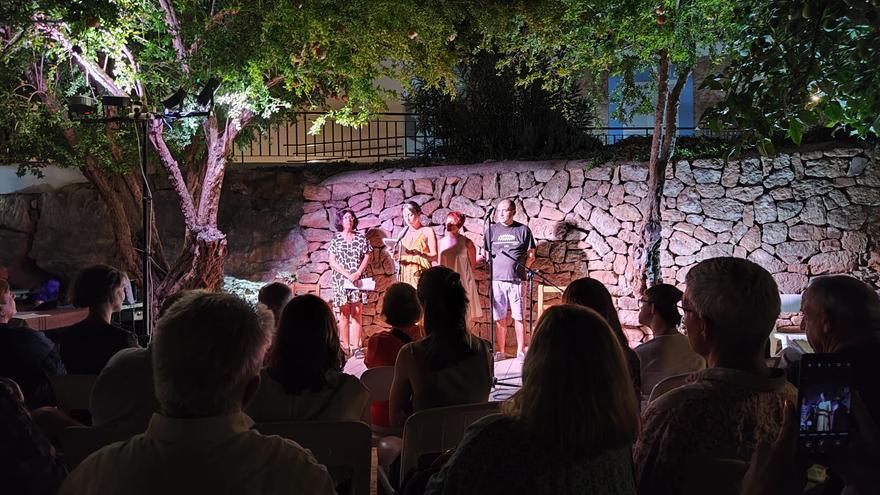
column 73, row 391
column 378, row 382
column 543, row 292
column 438, row 430
column 79, row 442
column 342, row 446
column 298, row 289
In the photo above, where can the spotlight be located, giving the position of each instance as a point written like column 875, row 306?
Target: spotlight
column 206, row 96
column 175, row 100
column 81, row 106
column 120, row 102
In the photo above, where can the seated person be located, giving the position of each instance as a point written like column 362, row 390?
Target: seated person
column 207, row 353
column 841, row 316
column 87, row 346
column 693, row 434
column 567, row 430
column 27, row 356
column 447, row 367
column 28, row 462
column 275, row 296
column 401, row 310
column 123, row 395
column 304, row 380
column 669, row 352
column 591, row 293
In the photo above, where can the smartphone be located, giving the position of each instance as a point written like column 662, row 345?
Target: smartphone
column 825, row 404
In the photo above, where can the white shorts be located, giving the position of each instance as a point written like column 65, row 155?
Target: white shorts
column 507, row 296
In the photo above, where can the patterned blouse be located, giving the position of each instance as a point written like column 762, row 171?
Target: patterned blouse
column 721, row 414
column 349, row 254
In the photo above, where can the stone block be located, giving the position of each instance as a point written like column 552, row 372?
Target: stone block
column 717, row 226
column 672, row 188
column 851, row 218
column 793, row 252
column 829, row 245
column 714, row 251
column 626, row 213
column 767, row 261
column 779, row 178
column 791, row 283
column 316, row 193
column 639, row 189
column 347, row 190
column 508, row 185
column 751, row 240
column 722, row 209
column 786, row 210
column 751, row 172
column 546, row 229
column 683, row 244
column 633, row 172
column 317, row 219
column 774, row 233
column 809, row 188
column 603, row 222
column 782, row 193
column 856, row 166
column 765, row 209
column 813, row 212
column 466, row 206
column 862, row 195
column 833, row 262
column 689, row 201
column 615, row 195
column 490, row 186
column 745, row 194
column 551, row 213
column 704, row 235
column 854, row 242
column 424, row 186
column 601, row 173
column 570, row 200
column 531, row 206
column 826, row 168
column 706, row 176
column 684, row 173
column 710, row 191
column 730, row 175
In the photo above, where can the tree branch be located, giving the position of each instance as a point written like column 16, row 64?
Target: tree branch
column 90, row 67
column 174, row 31
column 174, row 176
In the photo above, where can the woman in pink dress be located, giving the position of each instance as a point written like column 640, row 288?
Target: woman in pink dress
column 459, row 253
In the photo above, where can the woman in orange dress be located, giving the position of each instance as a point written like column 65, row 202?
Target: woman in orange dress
column 418, row 247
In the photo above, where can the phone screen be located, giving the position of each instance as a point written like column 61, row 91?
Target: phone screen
column 825, row 402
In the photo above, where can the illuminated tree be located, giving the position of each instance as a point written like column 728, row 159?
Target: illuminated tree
column 270, row 56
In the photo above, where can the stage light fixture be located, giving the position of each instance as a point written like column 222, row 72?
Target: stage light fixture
column 121, row 103
column 206, row 96
column 81, row 106
column 175, row 100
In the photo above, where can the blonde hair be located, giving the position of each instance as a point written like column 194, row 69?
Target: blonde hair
column 206, row 348
column 580, row 403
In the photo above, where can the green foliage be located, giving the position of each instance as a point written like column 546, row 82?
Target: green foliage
column 552, row 40
column 271, row 56
column 801, row 64
column 493, row 117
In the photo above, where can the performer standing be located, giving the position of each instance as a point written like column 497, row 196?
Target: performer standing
column 418, row 246
column 349, row 257
column 460, row 254
column 514, row 239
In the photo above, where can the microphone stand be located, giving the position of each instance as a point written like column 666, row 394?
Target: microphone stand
column 530, row 273
column 397, row 250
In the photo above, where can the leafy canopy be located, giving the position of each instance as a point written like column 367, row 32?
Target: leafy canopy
column 803, row 63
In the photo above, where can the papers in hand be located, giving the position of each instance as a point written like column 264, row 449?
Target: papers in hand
column 362, row 284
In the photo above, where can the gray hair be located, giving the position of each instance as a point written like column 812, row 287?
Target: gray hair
column 847, row 301
column 206, row 348
column 739, row 298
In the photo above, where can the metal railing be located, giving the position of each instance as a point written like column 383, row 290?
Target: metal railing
column 388, row 136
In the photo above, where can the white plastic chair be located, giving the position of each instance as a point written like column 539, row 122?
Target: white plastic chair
column 438, row 430
column 342, row 446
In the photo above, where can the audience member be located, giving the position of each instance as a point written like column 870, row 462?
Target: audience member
column 87, row 346
column 123, row 396
column 567, row 430
column 401, row 310
column 669, row 352
column 841, row 315
column 207, row 353
column 27, row 356
column 28, row 463
column 695, row 432
column 304, row 380
column 275, row 296
column 447, row 367
column 591, row 293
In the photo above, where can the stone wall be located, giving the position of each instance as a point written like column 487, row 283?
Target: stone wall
column 798, row 215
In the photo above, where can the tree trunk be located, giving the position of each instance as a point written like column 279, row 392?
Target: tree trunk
column 645, row 256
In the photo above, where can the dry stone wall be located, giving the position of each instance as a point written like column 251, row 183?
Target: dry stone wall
column 798, row 215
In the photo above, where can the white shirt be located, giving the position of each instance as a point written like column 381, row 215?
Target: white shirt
column 217, row 455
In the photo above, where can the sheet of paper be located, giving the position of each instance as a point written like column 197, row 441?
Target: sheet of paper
column 362, row 284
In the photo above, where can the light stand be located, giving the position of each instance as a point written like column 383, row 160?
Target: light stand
column 82, row 109
column 531, row 274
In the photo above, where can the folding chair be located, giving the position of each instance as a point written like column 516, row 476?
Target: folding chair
column 342, row 446
column 437, row 430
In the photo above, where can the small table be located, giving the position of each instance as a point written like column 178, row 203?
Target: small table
column 53, row 318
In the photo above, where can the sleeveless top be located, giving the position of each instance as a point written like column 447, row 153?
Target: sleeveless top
column 456, row 258
column 466, row 382
column 412, row 266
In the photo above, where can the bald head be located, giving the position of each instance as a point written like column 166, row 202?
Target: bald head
column 839, row 311
column 506, row 211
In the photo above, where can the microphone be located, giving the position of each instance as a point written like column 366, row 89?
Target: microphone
column 489, row 211
column 402, row 233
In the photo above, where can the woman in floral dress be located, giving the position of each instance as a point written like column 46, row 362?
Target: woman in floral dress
column 349, row 257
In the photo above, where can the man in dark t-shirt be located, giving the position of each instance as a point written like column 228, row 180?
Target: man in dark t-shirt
column 512, row 248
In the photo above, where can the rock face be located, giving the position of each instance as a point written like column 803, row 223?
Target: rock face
column 797, row 215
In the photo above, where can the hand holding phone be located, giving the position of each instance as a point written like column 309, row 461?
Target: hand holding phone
column 824, row 403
